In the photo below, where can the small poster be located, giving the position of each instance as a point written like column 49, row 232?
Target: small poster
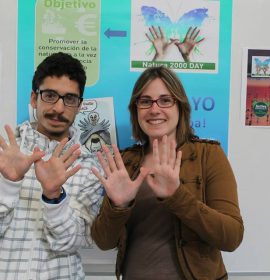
column 256, row 88
column 96, row 124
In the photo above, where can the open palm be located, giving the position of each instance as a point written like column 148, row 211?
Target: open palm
column 164, row 179
column 53, row 173
column 159, row 41
column 189, row 42
column 117, row 183
column 13, row 163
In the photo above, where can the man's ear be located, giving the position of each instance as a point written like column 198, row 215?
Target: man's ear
column 33, row 99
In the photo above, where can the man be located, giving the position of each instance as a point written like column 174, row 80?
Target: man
column 48, row 196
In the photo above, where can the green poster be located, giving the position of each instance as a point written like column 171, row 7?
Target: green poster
column 72, row 27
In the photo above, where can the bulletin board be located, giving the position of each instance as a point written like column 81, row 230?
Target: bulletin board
column 109, row 38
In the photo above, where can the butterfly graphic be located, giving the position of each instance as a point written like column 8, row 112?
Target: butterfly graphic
column 262, row 65
column 193, row 18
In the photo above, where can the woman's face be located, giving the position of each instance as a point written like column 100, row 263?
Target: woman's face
column 155, row 121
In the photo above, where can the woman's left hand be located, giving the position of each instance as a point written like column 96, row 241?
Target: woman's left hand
column 164, row 178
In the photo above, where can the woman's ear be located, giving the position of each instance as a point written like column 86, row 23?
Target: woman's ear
column 33, row 99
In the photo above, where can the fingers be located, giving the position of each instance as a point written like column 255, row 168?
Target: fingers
column 156, row 152
column 109, row 157
column 167, row 154
column 178, row 161
column 72, row 171
column 143, row 173
column 192, row 34
column 73, row 149
column 99, row 176
column 11, row 138
column 150, row 180
column 10, row 134
column 161, row 32
column 118, row 159
column 199, row 41
column 69, row 161
column 37, row 155
column 60, row 147
column 149, row 38
column 104, row 164
column 69, row 157
column 188, row 34
column 172, row 154
column 154, row 33
column 164, row 150
column 3, row 143
column 164, row 157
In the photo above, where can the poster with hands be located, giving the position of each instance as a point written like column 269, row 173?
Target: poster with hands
column 182, row 35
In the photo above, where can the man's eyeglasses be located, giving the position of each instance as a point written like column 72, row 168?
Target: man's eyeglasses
column 51, row 96
column 162, row 102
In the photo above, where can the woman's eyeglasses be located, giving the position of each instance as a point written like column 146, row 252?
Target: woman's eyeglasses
column 162, row 102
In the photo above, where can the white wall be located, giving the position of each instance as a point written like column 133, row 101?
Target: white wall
column 249, row 151
column 8, row 45
column 248, row 147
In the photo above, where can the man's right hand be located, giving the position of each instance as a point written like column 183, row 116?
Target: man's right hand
column 13, row 163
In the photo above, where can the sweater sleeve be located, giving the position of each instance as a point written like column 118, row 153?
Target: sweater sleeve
column 217, row 220
column 9, row 197
column 109, row 225
column 67, row 224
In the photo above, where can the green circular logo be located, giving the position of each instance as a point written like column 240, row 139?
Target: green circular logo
column 260, row 109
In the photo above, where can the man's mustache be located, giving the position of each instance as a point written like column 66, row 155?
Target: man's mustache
column 56, row 116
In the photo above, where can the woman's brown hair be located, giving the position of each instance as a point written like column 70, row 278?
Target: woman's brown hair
column 184, row 131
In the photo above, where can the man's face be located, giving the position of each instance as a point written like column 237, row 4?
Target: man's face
column 54, row 120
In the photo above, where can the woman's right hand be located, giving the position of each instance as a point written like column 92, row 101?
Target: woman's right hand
column 119, row 187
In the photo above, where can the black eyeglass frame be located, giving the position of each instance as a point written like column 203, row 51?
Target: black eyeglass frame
column 156, row 101
column 41, row 91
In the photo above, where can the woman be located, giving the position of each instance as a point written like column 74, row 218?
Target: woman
column 171, row 202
